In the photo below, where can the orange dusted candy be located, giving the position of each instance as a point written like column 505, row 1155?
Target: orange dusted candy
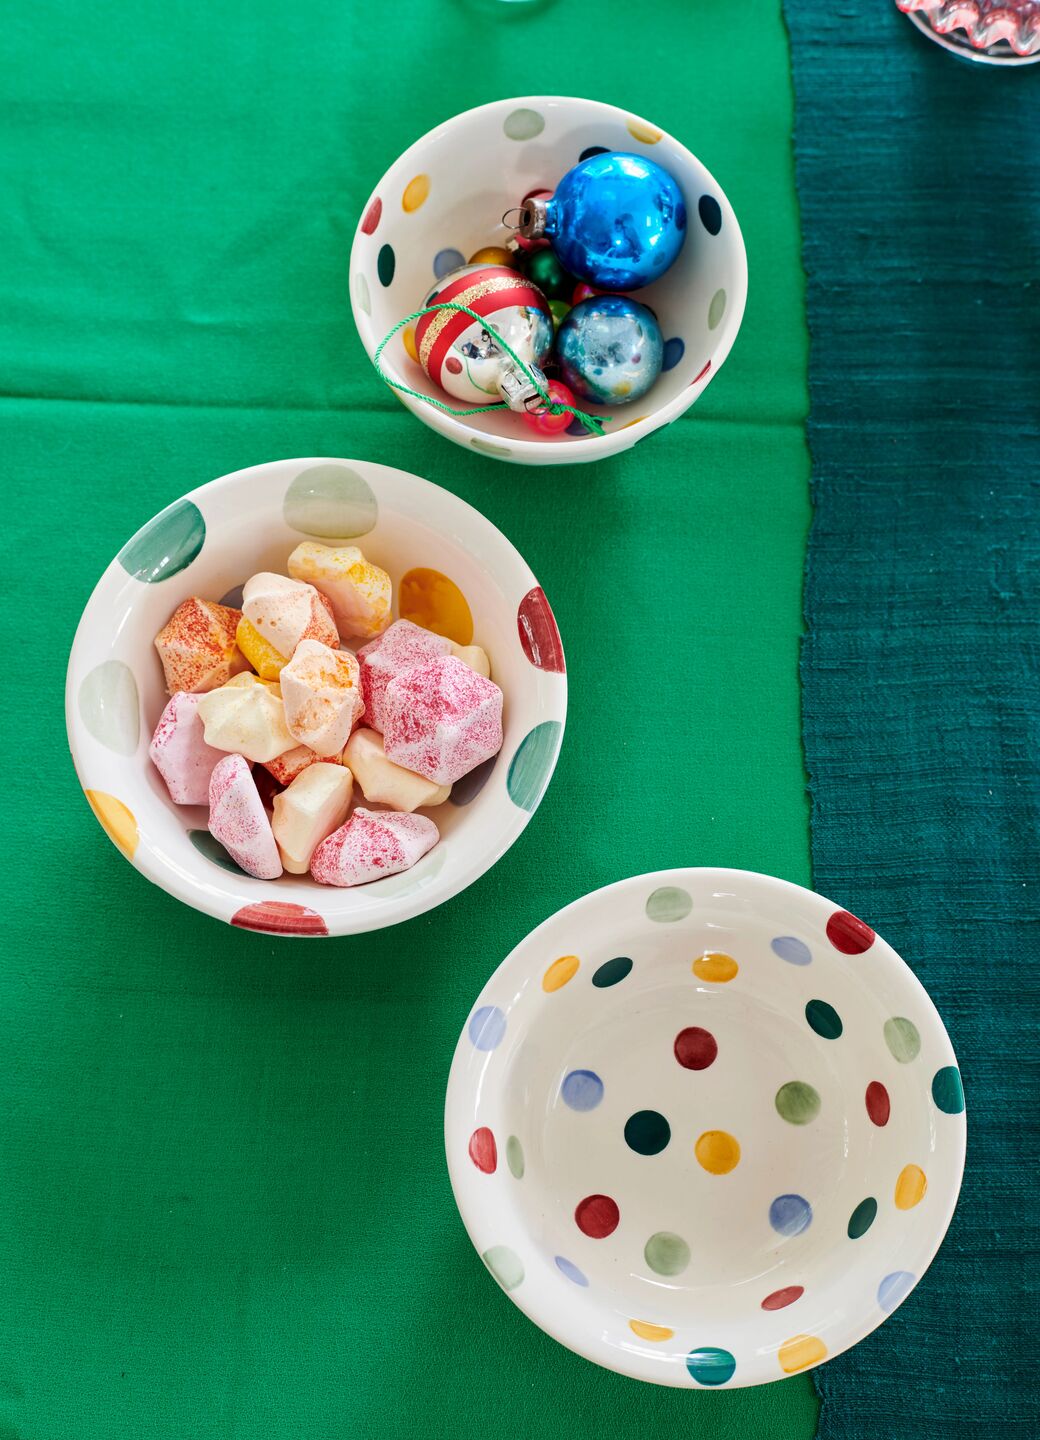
column 197, row 646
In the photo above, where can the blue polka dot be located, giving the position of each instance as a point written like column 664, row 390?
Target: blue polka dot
column 591, row 150
column 710, row 211
column 674, row 350
column 894, row 1289
column 582, row 1090
column 790, row 1214
column 795, row 952
column 576, row 427
column 568, row 1268
column 447, row 260
column 487, row 1026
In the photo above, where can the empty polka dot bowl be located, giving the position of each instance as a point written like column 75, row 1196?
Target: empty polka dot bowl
column 211, row 541
column 443, row 200
column 705, row 1128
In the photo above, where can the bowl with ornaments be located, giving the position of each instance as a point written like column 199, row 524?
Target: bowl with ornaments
column 548, row 280
column 316, row 697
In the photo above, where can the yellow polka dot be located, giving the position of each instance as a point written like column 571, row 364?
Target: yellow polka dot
column 430, row 599
column 493, row 255
column 717, row 1152
column 633, row 422
column 800, row 1352
column 715, row 968
column 910, row 1187
column 559, row 972
column 115, row 819
column 415, row 192
column 408, row 339
column 640, row 130
column 646, row 1331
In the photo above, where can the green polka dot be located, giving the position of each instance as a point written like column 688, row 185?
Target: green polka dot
column 709, row 1365
column 505, row 1265
column 207, row 845
column 109, row 707
column 797, row 1103
column 716, row 309
column 533, row 763
column 515, row 1157
column 862, row 1217
column 364, row 299
column 386, row 264
column 668, row 904
column 667, row 1254
column 902, row 1039
column 523, row 125
column 332, row 501
column 947, row 1091
column 166, row 545
column 486, row 448
column 824, row 1019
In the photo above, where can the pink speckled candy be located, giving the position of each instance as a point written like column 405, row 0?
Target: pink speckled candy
column 372, row 844
column 442, row 719
column 401, row 647
column 239, row 821
column 285, row 768
column 179, row 751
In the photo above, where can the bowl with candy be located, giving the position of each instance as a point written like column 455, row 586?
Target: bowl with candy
column 705, row 1128
column 548, row 280
column 316, row 697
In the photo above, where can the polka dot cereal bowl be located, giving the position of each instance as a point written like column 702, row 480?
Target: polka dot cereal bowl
column 443, row 200
column 705, row 1128
column 211, row 541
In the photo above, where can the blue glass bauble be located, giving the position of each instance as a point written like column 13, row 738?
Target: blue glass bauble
column 616, row 221
column 609, row 349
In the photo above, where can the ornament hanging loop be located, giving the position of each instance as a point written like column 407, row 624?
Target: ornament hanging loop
column 520, row 211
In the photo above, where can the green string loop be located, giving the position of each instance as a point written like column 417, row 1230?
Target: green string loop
column 554, row 407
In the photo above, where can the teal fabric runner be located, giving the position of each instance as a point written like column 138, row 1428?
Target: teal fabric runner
column 919, row 181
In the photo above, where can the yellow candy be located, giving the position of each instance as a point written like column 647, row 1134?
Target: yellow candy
column 494, row 255
column 358, row 591
column 260, row 653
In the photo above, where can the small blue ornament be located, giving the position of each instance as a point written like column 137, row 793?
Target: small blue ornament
column 609, row 349
column 616, row 221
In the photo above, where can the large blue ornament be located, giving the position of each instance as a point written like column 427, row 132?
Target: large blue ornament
column 616, row 221
column 609, row 349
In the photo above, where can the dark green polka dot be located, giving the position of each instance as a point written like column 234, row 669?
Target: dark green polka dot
column 612, row 972
column 386, row 264
column 947, row 1091
column 647, row 1132
column 862, row 1217
column 166, row 545
column 531, row 766
column 709, row 1365
column 824, row 1019
column 207, row 845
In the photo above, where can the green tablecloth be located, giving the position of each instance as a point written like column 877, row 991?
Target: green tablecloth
column 224, row 1210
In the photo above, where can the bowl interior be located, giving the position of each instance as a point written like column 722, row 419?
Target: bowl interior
column 211, row 542
column 718, row 1132
column 444, row 199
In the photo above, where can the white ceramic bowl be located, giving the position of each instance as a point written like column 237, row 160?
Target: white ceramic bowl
column 211, row 541
column 447, row 193
column 705, row 1128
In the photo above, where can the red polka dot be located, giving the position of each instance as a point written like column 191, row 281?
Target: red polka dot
column 372, row 217
column 597, row 1216
column 782, row 1298
column 483, row 1151
column 879, row 1106
column 695, row 1049
column 701, row 374
column 849, row 935
column 453, row 366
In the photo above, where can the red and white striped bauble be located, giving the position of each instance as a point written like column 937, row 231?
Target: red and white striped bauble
column 461, row 354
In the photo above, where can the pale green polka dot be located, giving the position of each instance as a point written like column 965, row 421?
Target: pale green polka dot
column 515, row 1157
column 523, row 125
column 505, row 1265
column 486, row 448
column 332, row 501
column 361, row 294
column 109, row 707
column 902, row 1039
column 667, row 904
column 667, row 1254
column 716, row 309
column 797, row 1102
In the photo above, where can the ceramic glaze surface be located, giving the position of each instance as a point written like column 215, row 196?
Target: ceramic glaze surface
column 729, row 1174
column 452, row 572
column 443, row 199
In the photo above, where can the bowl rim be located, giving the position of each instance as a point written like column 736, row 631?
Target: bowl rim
column 533, row 1304
column 544, row 451
column 210, row 898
